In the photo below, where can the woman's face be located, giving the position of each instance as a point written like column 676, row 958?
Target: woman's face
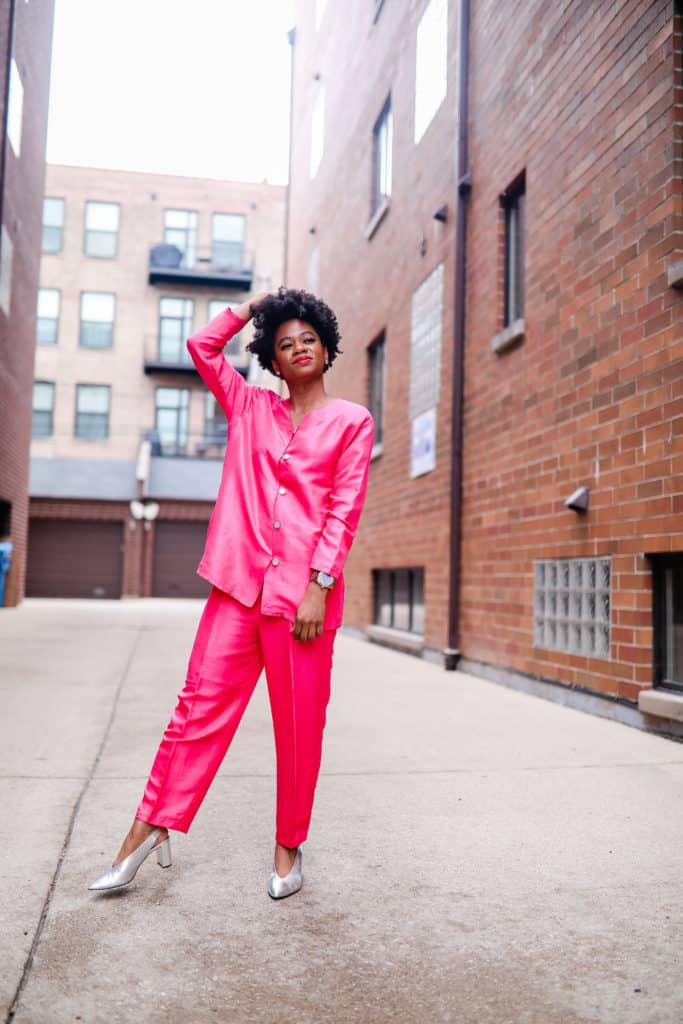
column 299, row 352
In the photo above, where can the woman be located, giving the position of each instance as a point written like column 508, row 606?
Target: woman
column 291, row 494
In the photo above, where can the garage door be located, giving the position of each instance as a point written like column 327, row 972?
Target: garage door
column 74, row 558
column 177, row 550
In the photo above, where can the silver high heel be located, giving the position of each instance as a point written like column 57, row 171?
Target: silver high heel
column 291, row 883
column 121, row 874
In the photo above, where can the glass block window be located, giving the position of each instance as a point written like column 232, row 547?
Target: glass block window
column 101, row 229
column 53, row 225
column 92, row 411
column 425, row 343
column 97, row 319
column 227, row 240
column 572, row 606
column 47, row 323
column 43, row 408
column 398, row 599
column 180, row 229
column 175, row 327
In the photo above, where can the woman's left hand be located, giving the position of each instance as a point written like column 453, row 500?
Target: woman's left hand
column 310, row 614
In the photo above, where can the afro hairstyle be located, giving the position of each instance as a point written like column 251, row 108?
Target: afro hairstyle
column 292, row 304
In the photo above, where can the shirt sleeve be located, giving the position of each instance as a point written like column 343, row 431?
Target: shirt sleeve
column 346, row 500
column 206, row 349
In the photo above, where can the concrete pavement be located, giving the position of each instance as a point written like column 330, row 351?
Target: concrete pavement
column 476, row 855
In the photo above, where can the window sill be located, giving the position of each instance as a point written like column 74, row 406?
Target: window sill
column 662, row 703
column 675, row 275
column 399, row 638
column 377, row 218
column 376, row 451
column 511, row 335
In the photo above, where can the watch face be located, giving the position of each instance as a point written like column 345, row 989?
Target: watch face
column 325, row 579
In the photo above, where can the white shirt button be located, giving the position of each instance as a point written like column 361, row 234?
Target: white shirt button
column 276, row 524
column 286, row 456
column 283, row 490
column 276, row 561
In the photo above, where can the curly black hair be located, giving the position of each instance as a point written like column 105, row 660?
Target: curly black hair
column 292, row 304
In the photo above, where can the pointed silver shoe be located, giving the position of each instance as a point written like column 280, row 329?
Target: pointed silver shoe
column 291, row 883
column 121, row 874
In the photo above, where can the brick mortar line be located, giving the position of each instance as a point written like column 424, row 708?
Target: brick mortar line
column 67, row 838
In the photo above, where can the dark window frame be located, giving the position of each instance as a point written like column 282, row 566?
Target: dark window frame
column 379, row 197
column 51, row 319
column 179, row 445
column 44, row 412
column 95, row 323
column 52, row 227
column 216, row 243
column 377, row 351
column 660, row 564
column 513, row 202
column 189, row 259
column 415, row 587
column 79, row 417
column 183, row 356
column 90, row 231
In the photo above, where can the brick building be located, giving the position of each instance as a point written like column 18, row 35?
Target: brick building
column 127, row 442
column 25, row 53
column 494, row 209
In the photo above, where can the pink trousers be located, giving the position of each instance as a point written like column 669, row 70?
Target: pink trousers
column 233, row 644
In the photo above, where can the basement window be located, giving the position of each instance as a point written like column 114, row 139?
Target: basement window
column 572, row 606
column 398, row 599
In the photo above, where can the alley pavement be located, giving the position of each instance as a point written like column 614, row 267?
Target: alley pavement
column 476, row 855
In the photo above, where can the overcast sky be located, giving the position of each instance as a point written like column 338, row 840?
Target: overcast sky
column 198, row 87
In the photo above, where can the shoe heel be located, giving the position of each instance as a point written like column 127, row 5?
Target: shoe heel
column 164, row 854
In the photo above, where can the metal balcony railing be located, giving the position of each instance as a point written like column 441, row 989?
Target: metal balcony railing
column 167, row 353
column 210, row 444
column 224, row 265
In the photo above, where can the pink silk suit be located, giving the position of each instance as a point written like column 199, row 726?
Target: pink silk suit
column 289, row 501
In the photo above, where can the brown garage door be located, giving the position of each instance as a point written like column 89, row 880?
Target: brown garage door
column 74, row 558
column 177, row 550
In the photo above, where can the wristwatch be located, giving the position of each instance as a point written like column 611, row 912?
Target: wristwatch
column 323, row 579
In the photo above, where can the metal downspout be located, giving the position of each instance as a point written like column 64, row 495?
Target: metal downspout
column 464, row 187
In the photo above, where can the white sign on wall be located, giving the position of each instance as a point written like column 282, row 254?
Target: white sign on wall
column 423, row 444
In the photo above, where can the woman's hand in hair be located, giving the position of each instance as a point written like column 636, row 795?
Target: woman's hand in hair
column 310, row 614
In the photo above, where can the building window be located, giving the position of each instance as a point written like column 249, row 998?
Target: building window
column 668, row 621
column 101, row 229
column 381, row 157
column 15, row 108
column 172, row 412
column 513, row 201
column 317, row 131
column 313, row 270
column 431, row 64
column 572, row 606
column 97, row 319
column 235, row 347
column 175, row 327
column 92, row 411
column 227, row 240
column 215, row 427
column 43, row 408
column 47, row 324
column 180, row 229
column 376, row 386
column 53, row 225
column 398, row 599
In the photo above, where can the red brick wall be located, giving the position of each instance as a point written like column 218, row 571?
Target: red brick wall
column 582, row 96
column 22, row 197
column 370, row 284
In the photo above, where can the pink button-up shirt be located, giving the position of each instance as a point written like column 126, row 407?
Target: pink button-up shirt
column 290, row 499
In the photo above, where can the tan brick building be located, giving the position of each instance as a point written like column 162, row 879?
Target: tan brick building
column 132, row 264
column 494, row 209
column 25, row 49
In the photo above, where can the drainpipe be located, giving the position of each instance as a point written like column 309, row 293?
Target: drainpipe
column 3, row 139
column 464, row 187
column 291, row 36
